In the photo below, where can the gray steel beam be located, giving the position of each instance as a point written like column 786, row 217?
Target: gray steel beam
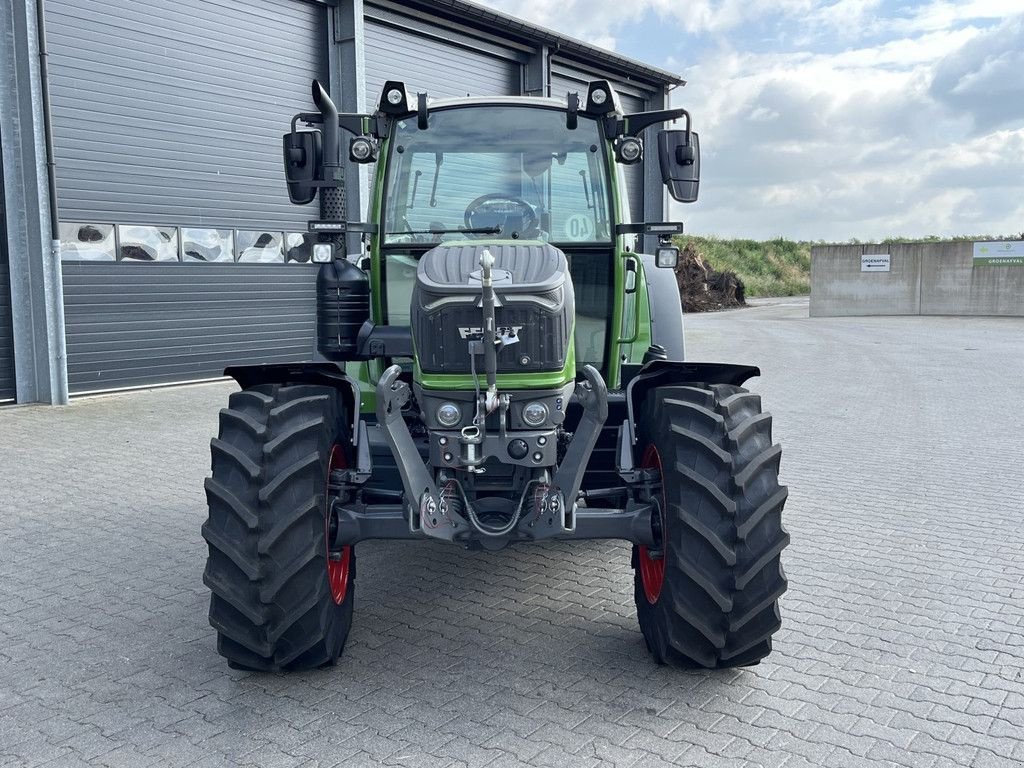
column 537, row 73
column 37, row 296
column 347, row 65
column 654, row 190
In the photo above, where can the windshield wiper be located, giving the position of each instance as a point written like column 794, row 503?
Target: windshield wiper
column 476, row 231
column 586, row 189
column 438, row 159
column 415, row 186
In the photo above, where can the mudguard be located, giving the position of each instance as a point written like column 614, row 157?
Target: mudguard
column 657, row 373
column 325, row 374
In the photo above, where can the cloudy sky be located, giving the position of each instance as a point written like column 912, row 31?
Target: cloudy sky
column 834, row 119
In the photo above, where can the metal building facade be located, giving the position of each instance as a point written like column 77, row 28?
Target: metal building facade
column 437, row 61
column 181, row 253
column 167, row 119
column 7, row 388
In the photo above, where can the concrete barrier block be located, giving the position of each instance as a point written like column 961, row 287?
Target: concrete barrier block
column 951, row 284
column 839, row 287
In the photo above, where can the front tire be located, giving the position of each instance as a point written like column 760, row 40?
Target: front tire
column 708, row 596
column 279, row 600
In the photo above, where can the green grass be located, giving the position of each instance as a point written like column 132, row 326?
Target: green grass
column 777, row 267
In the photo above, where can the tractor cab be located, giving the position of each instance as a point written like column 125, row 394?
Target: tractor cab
column 512, row 171
column 492, row 173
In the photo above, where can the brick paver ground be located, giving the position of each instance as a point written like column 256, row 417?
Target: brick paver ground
column 904, row 623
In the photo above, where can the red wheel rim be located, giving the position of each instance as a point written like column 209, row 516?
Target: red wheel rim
column 337, row 570
column 652, row 570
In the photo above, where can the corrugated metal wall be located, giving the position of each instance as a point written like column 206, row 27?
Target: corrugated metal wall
column 172, row 112
column 134, row 324
column 7, row 382
column 565, row 78
column 443, row 65
column 6, row 331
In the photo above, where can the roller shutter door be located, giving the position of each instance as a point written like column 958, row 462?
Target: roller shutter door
column 7, row 385
column 437, row 64
column 140, row 324
column 171, row 115
column 565, row 79
column 7, row 381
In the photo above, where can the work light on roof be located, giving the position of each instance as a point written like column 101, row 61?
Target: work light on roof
column 601, row 98
column 394, row 99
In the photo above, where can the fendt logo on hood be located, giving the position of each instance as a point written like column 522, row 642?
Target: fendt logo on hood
column 473, row 332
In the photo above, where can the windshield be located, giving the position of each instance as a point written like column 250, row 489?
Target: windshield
column 497, row 171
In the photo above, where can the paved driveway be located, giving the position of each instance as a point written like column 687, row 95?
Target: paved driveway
column 904, row 624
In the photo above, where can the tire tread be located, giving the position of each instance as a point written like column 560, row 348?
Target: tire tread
column 270, row 602
column 723, row 577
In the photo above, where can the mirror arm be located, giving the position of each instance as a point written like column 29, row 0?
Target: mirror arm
column 614, row 126
column 310, row 118
column 354, row 124
column 634, row 124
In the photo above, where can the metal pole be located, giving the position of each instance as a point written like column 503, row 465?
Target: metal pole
column 54, row 282
column 44, row 82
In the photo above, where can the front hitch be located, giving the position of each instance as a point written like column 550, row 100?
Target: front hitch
column 421, row 495
column 592, row 394
column 435, row 514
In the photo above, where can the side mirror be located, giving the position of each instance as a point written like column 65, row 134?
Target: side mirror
column 303, row 158
column 679, row 153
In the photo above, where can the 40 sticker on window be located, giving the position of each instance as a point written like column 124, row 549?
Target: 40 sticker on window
column 578, row 227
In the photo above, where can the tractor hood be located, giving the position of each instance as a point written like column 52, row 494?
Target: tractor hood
column 534, row 306
column 531, row 267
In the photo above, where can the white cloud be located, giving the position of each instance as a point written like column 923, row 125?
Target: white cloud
column 596, row 20
column 846, row 16
column 943, row 14
column 588, row 20
column 858, row 123
column 985, row 77
column 869, row 142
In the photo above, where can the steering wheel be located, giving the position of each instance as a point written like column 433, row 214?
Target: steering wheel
column 496, row 210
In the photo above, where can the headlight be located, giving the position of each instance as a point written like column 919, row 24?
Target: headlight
column 629, row 150
column 394, row 97
column 535, row 414
column 323, row 253
column 599, row 96
column 667, row 256
column 362, row 150
column 448, row 414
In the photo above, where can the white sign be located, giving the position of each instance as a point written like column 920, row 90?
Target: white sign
column 578, row 227
column 996, row 254
column 874, row 262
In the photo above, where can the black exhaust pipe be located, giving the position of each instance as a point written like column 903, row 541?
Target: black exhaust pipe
column 332, row 199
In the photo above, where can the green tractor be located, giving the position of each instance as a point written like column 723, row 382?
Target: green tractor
column 498, row 365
